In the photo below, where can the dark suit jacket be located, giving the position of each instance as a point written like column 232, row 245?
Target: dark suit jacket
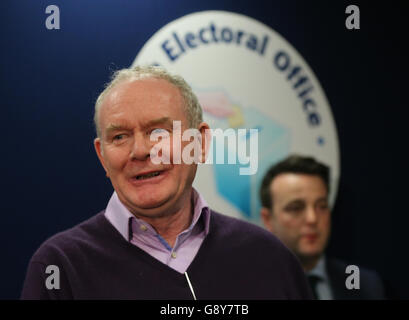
column 371, row 286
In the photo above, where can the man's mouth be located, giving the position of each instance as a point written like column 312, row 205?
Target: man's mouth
column 147, row 175
column 311, row 237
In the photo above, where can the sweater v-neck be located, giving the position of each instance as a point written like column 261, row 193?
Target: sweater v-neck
column 150, row 259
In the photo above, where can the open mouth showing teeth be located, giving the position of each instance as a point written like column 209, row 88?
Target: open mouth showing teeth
column 148, row 175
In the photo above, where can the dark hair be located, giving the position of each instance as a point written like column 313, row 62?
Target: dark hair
column 292, row 164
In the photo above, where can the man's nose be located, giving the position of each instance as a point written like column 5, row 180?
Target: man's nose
column 141, row 147
column 311, row 215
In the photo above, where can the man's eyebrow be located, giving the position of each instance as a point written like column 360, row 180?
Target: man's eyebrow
column 163, row 120
column 322, row 199
column 115, row 127
column 295, row 200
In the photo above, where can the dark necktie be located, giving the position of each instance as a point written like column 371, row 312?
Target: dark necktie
column 313, row 280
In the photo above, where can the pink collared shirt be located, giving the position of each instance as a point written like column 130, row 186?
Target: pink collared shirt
column 142, row 235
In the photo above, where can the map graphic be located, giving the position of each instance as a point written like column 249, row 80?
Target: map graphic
column 221, row 111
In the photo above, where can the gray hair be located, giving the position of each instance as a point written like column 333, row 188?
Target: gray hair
column 192, row 107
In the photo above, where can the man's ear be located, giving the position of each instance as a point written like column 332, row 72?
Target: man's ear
column 206, row 139
column 267, row 217
column 99, row 151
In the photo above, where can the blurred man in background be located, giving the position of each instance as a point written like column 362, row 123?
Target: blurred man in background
column 294, row 196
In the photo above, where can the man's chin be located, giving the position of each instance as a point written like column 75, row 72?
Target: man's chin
column 310, row 254
column 149, row 206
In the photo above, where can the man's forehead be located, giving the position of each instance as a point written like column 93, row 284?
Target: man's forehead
column 140, row 97
column 142, row 91
column 293, row 184
column 124, row 124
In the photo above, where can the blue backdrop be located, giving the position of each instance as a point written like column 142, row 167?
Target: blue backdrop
column 50, row 175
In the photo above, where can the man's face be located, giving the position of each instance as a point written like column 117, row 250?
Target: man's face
column 300, row 216
column 129, row 114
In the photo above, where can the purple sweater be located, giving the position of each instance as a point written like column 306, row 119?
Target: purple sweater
column 237, row 260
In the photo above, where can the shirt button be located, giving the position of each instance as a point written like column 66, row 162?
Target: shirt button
column 143, row 227
column 173, row 255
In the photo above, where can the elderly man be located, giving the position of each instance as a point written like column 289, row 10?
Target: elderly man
column 157, row 237
column 294, row 196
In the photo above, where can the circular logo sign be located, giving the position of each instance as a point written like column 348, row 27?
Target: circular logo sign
column 247, row 76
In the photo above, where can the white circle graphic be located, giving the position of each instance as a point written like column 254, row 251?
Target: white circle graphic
column 246, row 75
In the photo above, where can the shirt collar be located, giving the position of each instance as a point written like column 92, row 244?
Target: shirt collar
column 121, row 218
column 320, row 270
column 200, row 208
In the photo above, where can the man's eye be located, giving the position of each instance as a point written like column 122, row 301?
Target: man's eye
column 323, row 206
column 158, row 130
column 295, row 208
column 119, row 137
